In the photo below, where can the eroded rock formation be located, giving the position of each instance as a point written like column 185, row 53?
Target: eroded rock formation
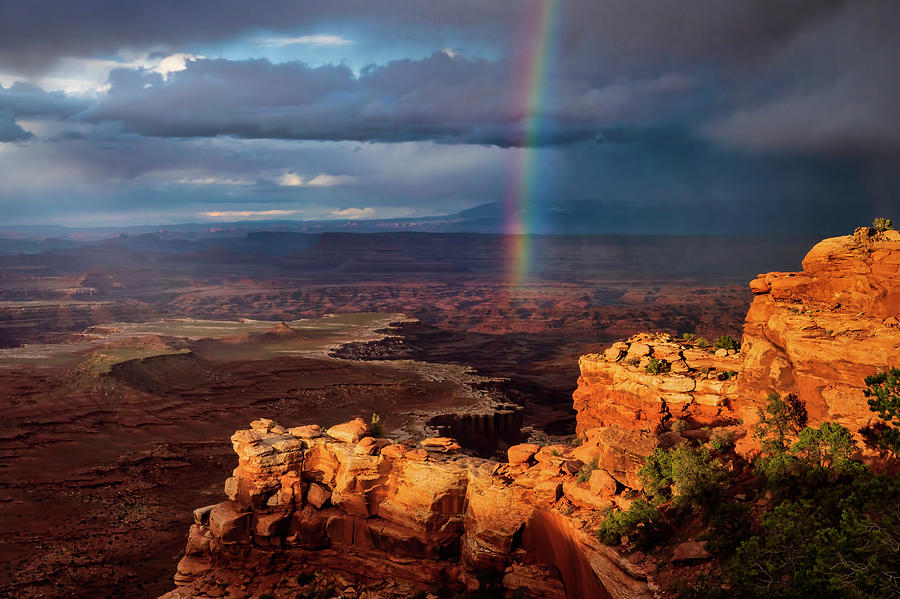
column 380, row 519
column 388, row 519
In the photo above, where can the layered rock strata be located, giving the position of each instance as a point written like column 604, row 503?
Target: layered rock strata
column 818, row 333
column 389, row 520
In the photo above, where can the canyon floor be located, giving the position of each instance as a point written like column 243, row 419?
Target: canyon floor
column 128, row 364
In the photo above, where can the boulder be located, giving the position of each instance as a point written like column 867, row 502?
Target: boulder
column 689, row 551
column 441, row 444
column 550, row 453
column 618, row 451
column 318, row 495
column 349, row 432
column 201, row 515
column 229, row 524
column 602, row 483
column 272, row 525
column 198, row 541
column 263, row 425
column 309, row 431
column 613, row 354
column 522, row 453
column 638, row 350
column 394, row 452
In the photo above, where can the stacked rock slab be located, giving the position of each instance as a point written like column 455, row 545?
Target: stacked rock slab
column 615, row 388
column 395, row 520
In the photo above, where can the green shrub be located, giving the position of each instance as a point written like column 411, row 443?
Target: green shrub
column 729, row 525
column 702, row 342
column 688, row 336
column 884, row 399
column 656, row 475
column 584, row 474
column 722, row 440
column 779, row 422
column 686, row 473
column 697, row 477
column 831, row 527
column 727, row 342
column 375, row 427
column 639, row 523
column 882, row 224
column 679, row 426
column 839, row 541
column 831, row 446
column 656, row 366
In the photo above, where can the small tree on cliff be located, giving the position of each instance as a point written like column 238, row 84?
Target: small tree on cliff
column 884, row 398
column 727, row 342
column 779, row 421
column 882, row 224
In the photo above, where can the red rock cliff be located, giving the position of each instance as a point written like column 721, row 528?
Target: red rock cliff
column 818, row 333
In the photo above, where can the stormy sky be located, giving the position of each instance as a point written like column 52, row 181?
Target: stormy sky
column 697, row 116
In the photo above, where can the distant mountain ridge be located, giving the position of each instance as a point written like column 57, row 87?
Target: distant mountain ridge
column 581, row 217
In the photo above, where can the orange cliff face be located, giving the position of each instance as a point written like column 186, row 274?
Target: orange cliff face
column 818, row 333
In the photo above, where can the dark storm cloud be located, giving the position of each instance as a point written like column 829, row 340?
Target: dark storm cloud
column 833, row 89
column 808, row 75
column 23, row 101
column 26, row 100
column 685, row 28
column 438, row 98
column 9, row 130
column 686, row 110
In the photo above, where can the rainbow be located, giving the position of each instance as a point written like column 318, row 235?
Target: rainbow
column 537, row 42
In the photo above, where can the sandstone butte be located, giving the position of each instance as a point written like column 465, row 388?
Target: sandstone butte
column 376, row 519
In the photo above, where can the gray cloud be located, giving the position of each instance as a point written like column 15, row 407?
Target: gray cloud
column 438, row 98
column 611, row 30
column 698, row 108
column 831, row 88
column 27, row 101
column 9, row 130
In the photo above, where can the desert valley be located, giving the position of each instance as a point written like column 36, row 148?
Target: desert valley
column 151, row 354
column 458, row 299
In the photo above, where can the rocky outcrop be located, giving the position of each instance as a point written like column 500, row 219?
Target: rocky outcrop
column 818, row 333
column 621, row 388
column 646, row 392
column 389, row 520
column 381, row 519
